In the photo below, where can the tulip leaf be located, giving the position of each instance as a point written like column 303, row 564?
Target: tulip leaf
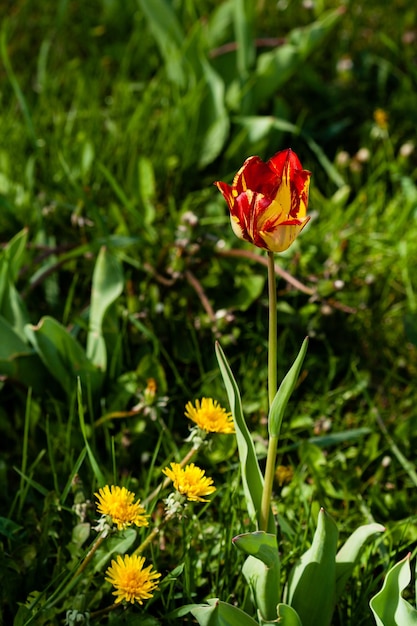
column 106, row 288
column 350, row 552
column 13, row 253
column 388, row 606
column 169, row 36
column 12, row 307
column 218, row 613
column 262, row 571
column 244, row 26
column 252, row 478
column 284, row 392
column 18, row 361
column 214, row 121
column 11, row 344
column 260, row 544
column 287, row 616
column 276, row 67
column 187, row 66
column 312, row 584
column 62, row 355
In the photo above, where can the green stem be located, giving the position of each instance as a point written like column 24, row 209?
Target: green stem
column 272, row 389
column 268, row 483
column 147, row 541
column 167, row 480
column 102, row 612
column 272, row 339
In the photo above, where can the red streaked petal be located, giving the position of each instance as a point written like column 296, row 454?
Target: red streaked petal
column 282, row 159
column 247, row 212
column 257, row 176
column 283, row 236
column 268, row 201
column 227, row 192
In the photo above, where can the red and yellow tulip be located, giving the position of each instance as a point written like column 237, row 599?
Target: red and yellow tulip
column 268, row 201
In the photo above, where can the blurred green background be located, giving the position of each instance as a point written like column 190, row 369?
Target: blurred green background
column 118, row 263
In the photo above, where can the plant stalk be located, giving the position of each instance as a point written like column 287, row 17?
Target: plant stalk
column 272, row 337
column 272, row 389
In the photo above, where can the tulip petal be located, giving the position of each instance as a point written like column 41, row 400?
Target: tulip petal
column 282, row 159
column 257, row 176
column 280, row 239
column 268, row 201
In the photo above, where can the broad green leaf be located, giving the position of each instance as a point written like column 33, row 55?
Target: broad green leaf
column 350, row 552
column 218, row 613
column 243, row 23
column 252, row 478
column 11, row 344
column 219, row 22
column 276, row 67
column 12, row 307
column 312, row 584
column 8, row 528
column 93, row 461
column 106, row 288
column 388, row 606
column 23, row 615
column 187, row 66
column 284, row 392
column 287, row 616
column 62, row 355
column 147, row 192
column 214, row 121
column 14, row 253
column 18, row 361
column 168, row 35
column 119, row 543
column 260, row 544
column 262, row 571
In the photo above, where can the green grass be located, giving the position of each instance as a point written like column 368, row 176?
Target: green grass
column 116, row 119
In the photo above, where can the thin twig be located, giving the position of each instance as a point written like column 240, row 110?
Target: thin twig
column 196, row 285
column 264, row 261
column 247, row 254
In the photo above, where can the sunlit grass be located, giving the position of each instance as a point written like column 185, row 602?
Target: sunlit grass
column 103, row 149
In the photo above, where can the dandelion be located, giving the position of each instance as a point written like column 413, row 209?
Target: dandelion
column 381, row 118
column 190, row 481
column 118, row 503
column 210, row 416
column 284, row 474
column 131, row 581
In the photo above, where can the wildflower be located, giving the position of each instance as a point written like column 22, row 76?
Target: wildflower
column 406, row 149
column 150, row 403
column 210, row 416
column 284, row 474
column 190, row 481
column 381, row 118
column 117, row 503
column 268, row 201
column 131, row 582
column 363, row 155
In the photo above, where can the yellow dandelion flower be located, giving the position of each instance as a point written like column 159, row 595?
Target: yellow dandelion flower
column 284, row 474
column 190, row 481
column 381, row 118
column 118, row 503
column 210, row 416
column 131, row 582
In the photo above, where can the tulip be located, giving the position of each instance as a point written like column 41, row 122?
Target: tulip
column 268, row 201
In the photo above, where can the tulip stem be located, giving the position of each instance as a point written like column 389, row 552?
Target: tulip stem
column 272, row 339
column 272, row 389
